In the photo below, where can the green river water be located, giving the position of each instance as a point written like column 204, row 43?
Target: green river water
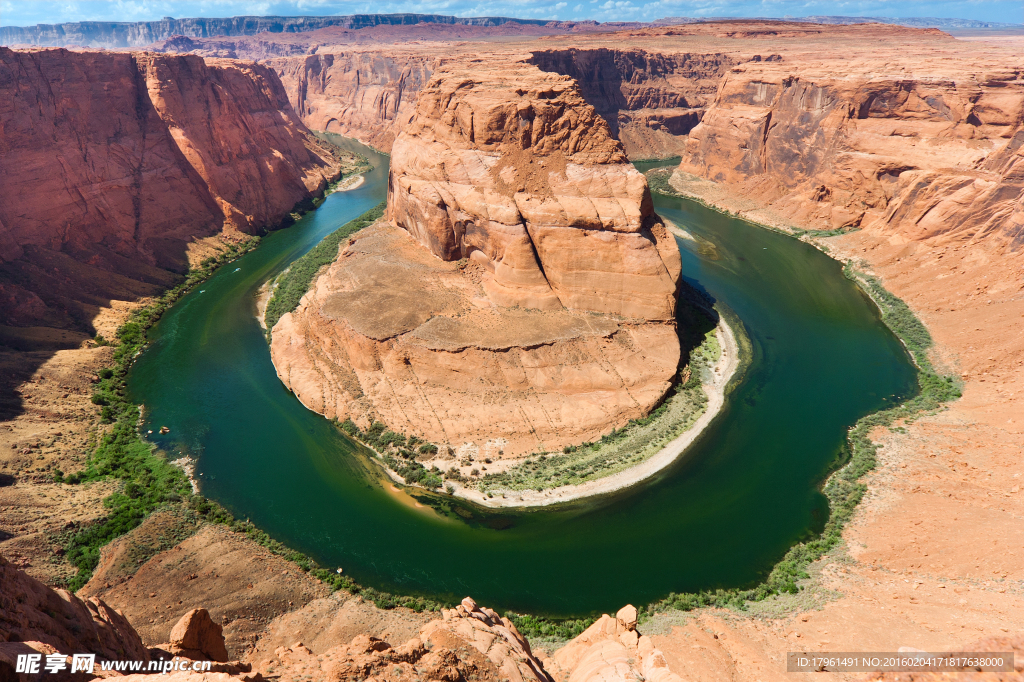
column 720, row 517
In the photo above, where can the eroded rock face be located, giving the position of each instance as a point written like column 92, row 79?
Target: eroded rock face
column 920, row 157
column 650, row 99
column 510, row 167
column 113, row 163
column 390, row 332
column 31, row 612
column 367, row 95
column 611, row 649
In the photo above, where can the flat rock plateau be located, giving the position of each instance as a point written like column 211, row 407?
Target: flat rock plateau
column 911, row 136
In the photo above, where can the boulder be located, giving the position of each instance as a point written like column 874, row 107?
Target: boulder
column 196, row 636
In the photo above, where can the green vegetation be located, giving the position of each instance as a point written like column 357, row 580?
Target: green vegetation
column 657, row 180
column 674, row 160
column 212, row 512
column 398, row 452
column 823, row 233
column 151, row 483
column 290, row 285
column 536, row 628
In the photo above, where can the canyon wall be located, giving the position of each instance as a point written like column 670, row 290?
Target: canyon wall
column 651, row 100
column 368, row 95
column 922, row 157
column 109, row 34
column 524, row 295
column 115, row 163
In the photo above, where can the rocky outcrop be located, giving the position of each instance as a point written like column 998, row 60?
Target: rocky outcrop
column 651, row 100
column 508, row 166
column 114, row 163
column 31, row 612
column 469, row 643
column 527, row 295
column 492, row 635
column 611, row 649
column 920, row 157
column 196, row 636
column 391, row 333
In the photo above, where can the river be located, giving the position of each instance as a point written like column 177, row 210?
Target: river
column 720, row 517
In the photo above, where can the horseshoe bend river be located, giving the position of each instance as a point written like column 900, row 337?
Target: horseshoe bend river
column 721, row 516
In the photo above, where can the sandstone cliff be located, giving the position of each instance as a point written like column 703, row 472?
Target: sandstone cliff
column 114, row 163
column 362, row 94
column 33, row 612
column 110, row 34
column 528, row 299
column 511, row 168
column 650, row 99
column 919, row 155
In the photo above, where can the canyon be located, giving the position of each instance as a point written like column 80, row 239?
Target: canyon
column 906, row 144
column 112, row 180
column 529, row 258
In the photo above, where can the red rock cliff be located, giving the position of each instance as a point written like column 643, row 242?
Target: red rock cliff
column 367, row 95
column 509, row 166
column 115, row 162
column 916, row 154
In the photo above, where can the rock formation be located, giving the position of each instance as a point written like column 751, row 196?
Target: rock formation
column 468, row 643
column 357, row 93
column 32, row 612
column 650, row 99
column 151, row 152
column 611, row 649
column 509, row 167
column 530, row 297
column 196, row 636
column 929, row 155
column 140, row 33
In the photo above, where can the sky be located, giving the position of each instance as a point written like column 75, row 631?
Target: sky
column 29, row 12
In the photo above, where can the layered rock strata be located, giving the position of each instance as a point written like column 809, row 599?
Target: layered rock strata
column 114, row 163
column 525, row 293
column 391, row 333
column 650, row 99
column 920, row 156
column 362, row 94
column 509, row 167
column 111, row 34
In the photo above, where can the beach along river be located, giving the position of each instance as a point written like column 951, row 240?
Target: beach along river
column 720, row 517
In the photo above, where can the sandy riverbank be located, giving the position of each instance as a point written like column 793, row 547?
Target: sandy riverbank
column 722, row 373
column 349, row 183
